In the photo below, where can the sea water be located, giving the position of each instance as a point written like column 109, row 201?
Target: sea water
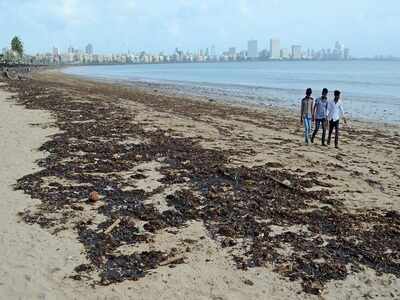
column 370, row 89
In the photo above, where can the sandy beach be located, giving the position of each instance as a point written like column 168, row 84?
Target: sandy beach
column 198, row 199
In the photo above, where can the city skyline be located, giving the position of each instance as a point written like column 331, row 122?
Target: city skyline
column 272, row 50
column 272, row 45
column 365, row 26
column 252, row 53
column 258, row 46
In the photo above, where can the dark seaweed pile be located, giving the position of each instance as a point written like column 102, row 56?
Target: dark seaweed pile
column 238, row 205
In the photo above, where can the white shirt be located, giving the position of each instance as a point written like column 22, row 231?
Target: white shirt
column 335, row 110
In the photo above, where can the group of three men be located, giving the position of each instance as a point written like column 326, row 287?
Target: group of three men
column 322, row 112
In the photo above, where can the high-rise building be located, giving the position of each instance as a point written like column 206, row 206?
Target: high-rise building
column 264, row 54
column 285, row 53
column 328, row 53
column 55, row 51
column 338, row 52
column 213, row 53
column 296, row 52
column 89, row 49
column 275, row 49
column 252, row 49
column 346, row 53
column 339, row 46
column 308, row 54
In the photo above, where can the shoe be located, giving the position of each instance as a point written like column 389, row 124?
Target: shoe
column 337, row 147
column 324, row 145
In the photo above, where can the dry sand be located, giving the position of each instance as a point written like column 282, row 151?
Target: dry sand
column 32, row 261
column 35, row 264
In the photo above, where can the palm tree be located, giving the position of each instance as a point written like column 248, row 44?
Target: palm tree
column 17, row 46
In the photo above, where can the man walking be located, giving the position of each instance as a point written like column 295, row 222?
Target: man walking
column 320, row 114
column 307, row 106
column 335, row 112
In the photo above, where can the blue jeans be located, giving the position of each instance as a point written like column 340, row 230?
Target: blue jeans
column 307, row 129
column 319, row 122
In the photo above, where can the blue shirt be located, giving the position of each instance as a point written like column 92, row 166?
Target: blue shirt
column 321, row 108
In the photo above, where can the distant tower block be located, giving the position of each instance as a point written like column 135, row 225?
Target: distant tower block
column 252, row 49
column 275, row 48
column 89, row 49
column 296, row 52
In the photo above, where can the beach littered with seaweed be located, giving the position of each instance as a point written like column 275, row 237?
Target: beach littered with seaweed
column 175, row 198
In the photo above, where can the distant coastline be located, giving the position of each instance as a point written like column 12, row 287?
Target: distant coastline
column 224, row 62
column 62, row 66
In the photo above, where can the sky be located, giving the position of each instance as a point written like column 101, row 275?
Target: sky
column 367, row 27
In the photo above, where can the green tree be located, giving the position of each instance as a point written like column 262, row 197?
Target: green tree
column 17, row 46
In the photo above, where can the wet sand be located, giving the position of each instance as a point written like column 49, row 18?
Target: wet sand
column 361, row 179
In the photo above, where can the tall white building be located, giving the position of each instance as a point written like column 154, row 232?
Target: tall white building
column 275, row 49
column 252, row 49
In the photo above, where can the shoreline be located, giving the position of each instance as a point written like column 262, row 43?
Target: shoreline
column 172, row 90
column 156, row 148
column 219, row 92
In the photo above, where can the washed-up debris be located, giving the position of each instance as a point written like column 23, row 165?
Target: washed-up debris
column 130, row 267
column 248, row 282
column 241, row 207
column 83, row 268
column 94, row 197
column 112, row 226
column 173, row 261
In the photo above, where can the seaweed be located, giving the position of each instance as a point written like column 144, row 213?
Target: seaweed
column 240, row 206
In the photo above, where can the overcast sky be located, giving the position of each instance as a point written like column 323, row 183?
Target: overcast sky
column 368, row 27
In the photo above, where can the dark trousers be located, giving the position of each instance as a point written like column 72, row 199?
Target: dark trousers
column 317, row 124
column 332, row 125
